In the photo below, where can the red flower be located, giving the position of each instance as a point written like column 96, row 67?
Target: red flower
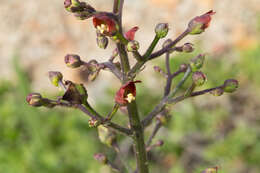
column 105, row 24
column 126, row 94
column 130, row 35
column 198, row 24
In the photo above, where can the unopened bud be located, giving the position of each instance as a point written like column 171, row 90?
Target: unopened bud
column 159, row 143
column 69, row 4
column 230, row 85
column 93, row 122
column 34, row 99
column 73, row 61
column 161, row 30
column 199, row 78
column 132, row 46
column 217, row 92
column 55, row 77
column 197, row 62
column 167, row 42
column 102, row 42
column 183, row 67
column 187, row 48
column 198, row 24
column 100, row 157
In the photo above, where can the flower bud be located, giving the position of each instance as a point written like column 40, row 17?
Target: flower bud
column 55, row 77
column 100, row 157
column 198, row 24
column 102, row 41
column 217, row 92
column 187, row 48
column 197, row 62
column 159, row 143
column 70, row 4
column 167, row 42
column 198, row 78
column 34, row 99
column 93, row 122
column 183, row 67
column 106, row 136
column 73, row 61
column 230, row 85
column 161, row 30
column 132, row 46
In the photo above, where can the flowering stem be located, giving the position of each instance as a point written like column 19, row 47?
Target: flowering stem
column 155, row 130
column 138, row 136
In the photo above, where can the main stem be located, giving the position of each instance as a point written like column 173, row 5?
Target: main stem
column 138, row 136
column 135, row 123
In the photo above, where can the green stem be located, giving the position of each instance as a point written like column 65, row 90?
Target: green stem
column 179, row 85
column 138, row 136
column 146, row 56
column 151, row 47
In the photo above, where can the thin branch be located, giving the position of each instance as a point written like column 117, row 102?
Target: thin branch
column 113, row 69
column 154, row 132
column 172, row 44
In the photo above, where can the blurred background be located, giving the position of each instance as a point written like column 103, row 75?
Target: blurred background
column 205, row 131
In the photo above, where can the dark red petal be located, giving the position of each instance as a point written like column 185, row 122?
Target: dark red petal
column 130, row 35
column 127, row 88
column 205, row 19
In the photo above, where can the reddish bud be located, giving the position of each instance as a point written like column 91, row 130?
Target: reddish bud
column 100, row 157
column 34, row 99
column 199, row 78
column 230, row 85
column 126, row 94
column 73, row 61
column 105, row 24
column 130, row 35
column 198, row 24
column 183, row 67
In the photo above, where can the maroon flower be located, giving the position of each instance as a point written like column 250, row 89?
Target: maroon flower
column 130, row 35
column 105, row 24
column 198, row 24
column 126, row 94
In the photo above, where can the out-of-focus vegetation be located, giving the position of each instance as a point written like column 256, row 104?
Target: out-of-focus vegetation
column 205, row 131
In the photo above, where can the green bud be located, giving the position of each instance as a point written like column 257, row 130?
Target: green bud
column 73, row 61
column 34, row 99
column 197, row 62
column 55, row 77
column 106, row 136
column 217, row 92
column 132, row 46
column 230, row 85
column 161, row 30
column 199, row 78
column 100, row 157
column 102, row 42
